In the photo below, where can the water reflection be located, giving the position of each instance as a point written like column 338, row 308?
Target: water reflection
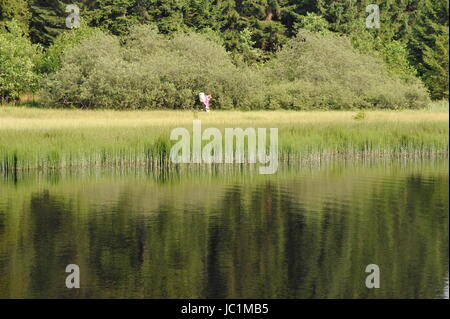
column 207, row 232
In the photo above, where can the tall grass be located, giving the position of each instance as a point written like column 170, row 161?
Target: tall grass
column 33, row 138
column 438, row 106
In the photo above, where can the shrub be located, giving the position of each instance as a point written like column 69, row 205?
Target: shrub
column 18, row 59
column 51, row 60
column 148, row 71
column 325, row 71
column 85, row 72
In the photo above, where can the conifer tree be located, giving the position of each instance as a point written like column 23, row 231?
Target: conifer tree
column 14, row 9
column 429, row 46
column 48, row 19
column 112, row 15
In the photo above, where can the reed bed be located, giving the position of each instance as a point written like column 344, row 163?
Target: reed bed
column 44, row 139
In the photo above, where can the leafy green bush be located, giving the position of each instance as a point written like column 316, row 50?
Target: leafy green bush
column 148, row 70
column 312, row 22
column 51, row 60
column 18, row 59
column 85, row 70
column 325, row 71
column 393, row 53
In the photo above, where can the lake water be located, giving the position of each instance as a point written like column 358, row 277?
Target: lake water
column 308, row 231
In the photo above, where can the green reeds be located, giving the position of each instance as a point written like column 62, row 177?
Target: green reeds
column 53, row 139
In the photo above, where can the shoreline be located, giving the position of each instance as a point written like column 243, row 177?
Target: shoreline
column 166, row 165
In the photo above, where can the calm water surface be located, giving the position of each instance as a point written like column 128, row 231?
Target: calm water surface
column 214, row 232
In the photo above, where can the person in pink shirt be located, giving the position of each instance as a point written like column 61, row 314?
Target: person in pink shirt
column 206, row 101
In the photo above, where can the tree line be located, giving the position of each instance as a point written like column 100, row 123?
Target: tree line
column 412, row 38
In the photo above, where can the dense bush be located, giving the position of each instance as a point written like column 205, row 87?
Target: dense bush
column 148, row 70
column 324, row 71
column 52, row 58
column 18, row 59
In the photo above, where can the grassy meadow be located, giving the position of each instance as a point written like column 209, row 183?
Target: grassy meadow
column 39, row 138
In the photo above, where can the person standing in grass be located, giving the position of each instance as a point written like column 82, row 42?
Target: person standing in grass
column 204, row 99
column 207, row 99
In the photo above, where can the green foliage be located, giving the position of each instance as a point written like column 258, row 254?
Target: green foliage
column 247, row 52
column 411, row 39
column 48, row 19
column 14, row 9
column 112, row 15
column 349, row 17
column 51, row 61
column 429, row 46
column 325, row 71
column 395, row 55
column 71, row 85
column 361, row 115
column 312, row 22
column 147, row 71
column 436, row 64
column 393, row 52
column 387, row 42
column 270, row 36
column 411, row 36
column 18, row 59
column 168, row 15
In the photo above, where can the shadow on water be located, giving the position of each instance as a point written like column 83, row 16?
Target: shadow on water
column 207, row 231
